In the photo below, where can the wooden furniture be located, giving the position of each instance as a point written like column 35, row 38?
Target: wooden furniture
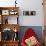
column 44, row 35
column 0, row 43
column 6, row 12
column 10, row 43
column 9, row 20
column 44, row 9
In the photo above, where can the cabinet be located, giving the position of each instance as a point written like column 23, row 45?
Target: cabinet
column 9, row 26
column 9, row 15
column 9, row 43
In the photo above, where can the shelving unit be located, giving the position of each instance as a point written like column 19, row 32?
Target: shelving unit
column 9, row 22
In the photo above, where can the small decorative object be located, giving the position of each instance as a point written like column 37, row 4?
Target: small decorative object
column 32, row 13
column 15, row 30
column 5, row 12
column 0, row 12
column 15, row 35
column 42, row 3
column 13, row 12
column 15, row 3
column 25, row 12
column 6, row 21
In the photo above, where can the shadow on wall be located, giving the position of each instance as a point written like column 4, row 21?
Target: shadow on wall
column 37, row 29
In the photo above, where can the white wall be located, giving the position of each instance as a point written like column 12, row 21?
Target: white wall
column 7, row 3
column 36, row 20
column 28, row 5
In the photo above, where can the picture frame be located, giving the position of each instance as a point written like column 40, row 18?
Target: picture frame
column 25, row 12
column 5, row 12
column 32, row 13
column 29, row 13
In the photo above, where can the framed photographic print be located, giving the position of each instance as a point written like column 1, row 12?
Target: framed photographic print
column 5, row 12
column 32, row 13
column 25, row 12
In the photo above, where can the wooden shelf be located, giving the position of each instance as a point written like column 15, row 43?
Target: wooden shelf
column 6, row 12
column 11, row 26
column 9, row 8
column 9, row 43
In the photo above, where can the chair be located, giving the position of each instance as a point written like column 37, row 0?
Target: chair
column 29, row 33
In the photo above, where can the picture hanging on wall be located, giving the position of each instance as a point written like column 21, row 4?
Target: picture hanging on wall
column 32, row 13
column 25, row 12
column 29, row 13
column 5, row 12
